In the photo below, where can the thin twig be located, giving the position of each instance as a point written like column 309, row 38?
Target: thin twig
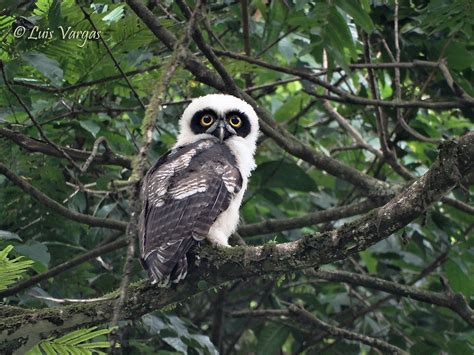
column 310, row 219
column 95, row 149
column 82, row 84
column 66, row 266
column 245, row 25
column 33, row 145
column 425, row 272
column 343, row 96
column 398, row 93
column 381, row 120
column 33, row 119
column 58, row 208
column 305, row 317
column 117, row 65
column 68, row 300
column 264, row 50
column 462, row 206
column 350, row 130
column 453, row 301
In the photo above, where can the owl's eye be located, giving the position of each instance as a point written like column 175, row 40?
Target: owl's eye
column 235, row 121
column 206, row 120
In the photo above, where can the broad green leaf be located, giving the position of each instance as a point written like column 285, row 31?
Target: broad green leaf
column 271, row 339
column 50, row 68
column 369, row 260
column 115, row 15
column 458, row 279
column 284, row 175
column 6, row 235
column 360, row 16
column 91, row 126
column 35, row 251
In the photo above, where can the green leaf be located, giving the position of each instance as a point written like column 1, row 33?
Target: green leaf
column 458, row 57
column 76, row 342
column 271, row 339
column 91, row 127
column 177, row 344
column 458, row 279
column 35, row 251
column 114, row 15
column 205, row 343
column 340, row 37
column 6, row 235
column 202, row 285
column 360, row 16
column 11, row 269
column 153, row 323
column 285, row 175
column 289, row 109
column 369, row 260
column 50, row 68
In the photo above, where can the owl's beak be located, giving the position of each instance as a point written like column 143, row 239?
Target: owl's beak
column 221, row 130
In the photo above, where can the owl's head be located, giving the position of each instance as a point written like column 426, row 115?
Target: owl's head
column 226, row 117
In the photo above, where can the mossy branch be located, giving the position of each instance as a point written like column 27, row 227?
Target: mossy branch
column 216, row 265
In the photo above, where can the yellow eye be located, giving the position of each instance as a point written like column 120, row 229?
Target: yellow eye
column 206, row 120
column 235, row 121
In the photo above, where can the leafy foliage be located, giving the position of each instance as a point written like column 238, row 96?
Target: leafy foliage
column 176, row 333
column 77, row 342
column 11, row 269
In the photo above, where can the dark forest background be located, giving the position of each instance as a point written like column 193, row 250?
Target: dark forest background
column 356, row 233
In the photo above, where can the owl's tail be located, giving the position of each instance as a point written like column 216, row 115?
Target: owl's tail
column 167, row 265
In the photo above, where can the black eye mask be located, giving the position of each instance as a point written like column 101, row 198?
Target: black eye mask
column 243, row 130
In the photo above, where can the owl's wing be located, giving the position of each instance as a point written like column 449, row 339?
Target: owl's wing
column 183, row 195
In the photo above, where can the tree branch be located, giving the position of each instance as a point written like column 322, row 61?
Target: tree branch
column 366, row 183
column 350, row 130
column 459, row 205
column 33, row 119
column 308, row 319
column 330, row 214
column 34, row 145
column 58, row 208
column 82, row 84
column 343, row 96
column 59, row 269
column 218, row 265
column 455, row 301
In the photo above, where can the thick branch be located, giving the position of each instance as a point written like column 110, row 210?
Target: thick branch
column 57, row 207
column 221, row 265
